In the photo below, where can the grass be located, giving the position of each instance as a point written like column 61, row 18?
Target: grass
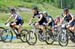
column 53, row 11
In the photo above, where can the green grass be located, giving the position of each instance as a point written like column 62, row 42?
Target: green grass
column 53, row 11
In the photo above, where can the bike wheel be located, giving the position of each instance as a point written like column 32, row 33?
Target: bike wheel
column 31, row 38
column 7, row 36
column 63, row 38
column 40, row 37
column 49, row 37
column 1, row 29
column 23, row 35
column 72, row 36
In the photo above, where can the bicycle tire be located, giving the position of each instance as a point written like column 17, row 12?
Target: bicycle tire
column 1, row 29
column 23, row 35
column 61, row 41
column 29, row 36
column 7, row 36
column 49, row 38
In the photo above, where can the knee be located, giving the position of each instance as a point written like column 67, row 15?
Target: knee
column 72, row 28
column 36, row 24
column 13, row 24
column 68, row 26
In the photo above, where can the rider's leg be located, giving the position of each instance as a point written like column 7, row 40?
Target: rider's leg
column 37, row 25
column 13, row 25
column 43, row 28
column 72, row 29
column 19, row 28
column 53, row 26
column 19, row 23
column 68, row 27
column 43, row 31
column 71, row 26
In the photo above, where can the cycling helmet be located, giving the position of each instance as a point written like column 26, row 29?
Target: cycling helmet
column 13, row 10
column 35, row 8
column 66, row 9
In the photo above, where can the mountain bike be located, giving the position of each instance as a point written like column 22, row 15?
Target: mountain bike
column 31, row 37
column 9, row 31
column 57, row 35
column 70, row 33
column 1, row 29
column 34, row 34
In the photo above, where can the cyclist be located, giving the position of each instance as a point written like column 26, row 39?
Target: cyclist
column 68, row 17
column 18, row 20
column 50, row 21
column 41, row 19
column 57, row 21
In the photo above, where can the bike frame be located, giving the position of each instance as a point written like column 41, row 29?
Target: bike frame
column 34, row 29
column 9, row 28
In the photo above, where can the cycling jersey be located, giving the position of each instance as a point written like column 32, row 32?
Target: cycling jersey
column 19, row 19
column 68, row 18
column 43, row 20
column 52, row 23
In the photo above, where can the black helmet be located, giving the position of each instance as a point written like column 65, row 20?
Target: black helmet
column 35, row 8
column 66, row 9
column 13, row 10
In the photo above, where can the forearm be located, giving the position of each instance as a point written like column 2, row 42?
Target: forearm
column 30, row 20
column 9, row 19
column 72, row 19
column 38, row 20
column 48, row 22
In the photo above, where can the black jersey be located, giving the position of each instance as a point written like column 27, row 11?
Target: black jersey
column 67, row 18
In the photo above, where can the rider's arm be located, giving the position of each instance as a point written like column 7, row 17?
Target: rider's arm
column 40, row 17
column 72, row 18
column 49, row 21
column 9, row 19
column 61, row 21
column 15, row 18
column 31, row 19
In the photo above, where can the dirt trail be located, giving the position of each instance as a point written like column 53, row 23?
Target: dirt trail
column 39, row 45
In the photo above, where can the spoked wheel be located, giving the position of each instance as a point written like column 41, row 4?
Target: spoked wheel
column 49, row 37
column 31, row 38
column 63, row 38
column 1, row 29
column 7, row 36
column 72, row 36
column 41, row 37
column 23, row 35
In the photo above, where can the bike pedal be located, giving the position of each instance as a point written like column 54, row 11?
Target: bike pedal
column 18, row 36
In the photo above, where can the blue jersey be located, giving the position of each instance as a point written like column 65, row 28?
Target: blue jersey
column 18, row 16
